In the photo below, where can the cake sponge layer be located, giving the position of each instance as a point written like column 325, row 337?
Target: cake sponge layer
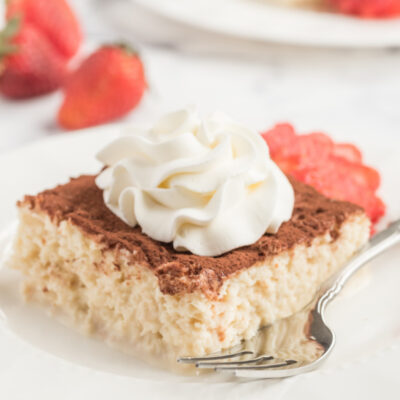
column 104, row 292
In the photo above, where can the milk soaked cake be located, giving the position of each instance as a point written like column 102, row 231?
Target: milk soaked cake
column 98, row 249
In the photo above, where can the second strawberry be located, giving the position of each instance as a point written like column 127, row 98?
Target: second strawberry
column 106, row 86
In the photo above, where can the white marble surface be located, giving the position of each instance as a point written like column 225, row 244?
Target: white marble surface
column 340, row 91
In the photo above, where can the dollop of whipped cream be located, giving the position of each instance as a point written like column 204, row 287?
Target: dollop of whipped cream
column 208, row 186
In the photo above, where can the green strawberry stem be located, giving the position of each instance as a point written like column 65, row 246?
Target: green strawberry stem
column 128, row 49
column 6, row 35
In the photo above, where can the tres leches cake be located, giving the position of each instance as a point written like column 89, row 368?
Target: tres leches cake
column 187, row 242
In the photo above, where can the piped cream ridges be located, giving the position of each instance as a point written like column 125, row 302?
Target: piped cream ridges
column 208, row 185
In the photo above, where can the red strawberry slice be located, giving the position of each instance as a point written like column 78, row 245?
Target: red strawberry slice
column 282, row 143
column 313, row 148
column 368, row 8
column 290, row 148
column 337, row 180
column 280, row 137
column 334, row 169
column 347, row 151
column 362, row 175
column 377, row 208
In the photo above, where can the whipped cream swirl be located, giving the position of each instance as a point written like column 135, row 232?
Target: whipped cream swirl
column 208, row 186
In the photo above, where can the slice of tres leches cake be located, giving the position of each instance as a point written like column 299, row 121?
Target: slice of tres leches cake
column 188, row 241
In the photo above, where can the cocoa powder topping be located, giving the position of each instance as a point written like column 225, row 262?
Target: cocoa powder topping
column 81, row 203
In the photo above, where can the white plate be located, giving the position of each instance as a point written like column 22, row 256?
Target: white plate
column 40, row 358
column 259, row 20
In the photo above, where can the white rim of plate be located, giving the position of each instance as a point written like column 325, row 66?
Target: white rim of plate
column 258, row 20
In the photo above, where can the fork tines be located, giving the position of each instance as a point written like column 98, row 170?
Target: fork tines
column 218, row 362
column 195, row 360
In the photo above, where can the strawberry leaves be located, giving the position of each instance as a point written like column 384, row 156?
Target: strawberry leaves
column 12, row 28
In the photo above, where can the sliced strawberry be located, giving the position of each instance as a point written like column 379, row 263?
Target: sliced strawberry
column 313, row 148
column 337, row 181
column 280, row 137
column 347, row 151
column 377, row 209
column 336, row 170
column 368, row 8
column 362, row 175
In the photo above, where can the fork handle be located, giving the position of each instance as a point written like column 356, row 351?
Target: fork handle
column 379, row 243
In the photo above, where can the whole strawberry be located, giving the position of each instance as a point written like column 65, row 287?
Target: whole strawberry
column 53, row 18
column 106, row 86
column 29, row 64
column 368, row 8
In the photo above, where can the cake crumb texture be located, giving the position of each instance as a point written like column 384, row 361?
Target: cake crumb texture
column 111, row 290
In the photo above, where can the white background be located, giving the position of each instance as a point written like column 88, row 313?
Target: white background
column 339, row 91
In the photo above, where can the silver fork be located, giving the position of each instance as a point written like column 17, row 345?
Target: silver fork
column 301, row 342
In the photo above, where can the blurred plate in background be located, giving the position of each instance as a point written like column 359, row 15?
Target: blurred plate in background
column 259, row 20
